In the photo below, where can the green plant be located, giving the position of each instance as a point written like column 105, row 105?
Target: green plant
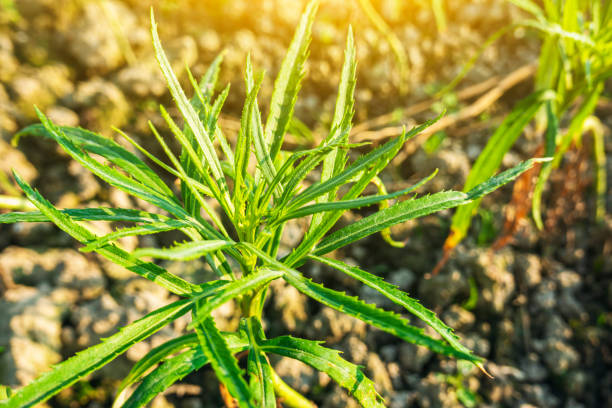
column 574, row 63
column 257, row 205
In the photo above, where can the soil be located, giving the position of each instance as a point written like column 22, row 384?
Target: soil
column 538, row 309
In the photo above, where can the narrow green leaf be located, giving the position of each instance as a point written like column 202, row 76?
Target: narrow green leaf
column 371, row 314
column 87, row 214
column 586, row 109
column 244, row 143
column 174, row 369
column 347, row 375
column 154, row 357
column 260, row 371
column 399, row 297
column 491, row 157
column 210, row 78
column 235, row 289
column 161, row 378
column 145, row 229
column 398, row 213
column 416, row 208
column 111, row 176
column 556, row 29
column 221, row 358
column 502, row 178
column 599, row 153
column 188, row 112
column 147, row 270
column 348, row 204
column 353, row 306
column 343, row 114
column 362, row 173
column 94, row 143
column 287, row 82
column 185, row 251
column 361, row 164
column 255, row 127
column 85, row 362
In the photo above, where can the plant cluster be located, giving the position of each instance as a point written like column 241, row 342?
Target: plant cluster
column 258, row 188
column 574, row 63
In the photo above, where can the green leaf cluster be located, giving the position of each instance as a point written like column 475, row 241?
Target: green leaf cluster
column 575, row 62
column 258, row 188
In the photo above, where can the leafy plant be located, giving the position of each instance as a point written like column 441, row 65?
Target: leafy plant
column 257, row 204
column 574, row 63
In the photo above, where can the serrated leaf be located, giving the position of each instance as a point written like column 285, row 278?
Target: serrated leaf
column 416, row 208
column 348, row 204
column 174, row 369
column 399, row 297
column 255, row 128
column 260, row 371
column 502, row 178
column 341, row 122
column 87, row 214
column 236, row 288
column 491, row 157
column 287, row 82
column 385, row 320
column 111, row 176
column 85, row 362
column 351, row 305
column 398, row 213
column 347, row 375
column 185, row 251
column 188, row 113
column 361, row 164
column 146, row 229
column 154, row 357
column 363, row 177
column 147, row 270
column 221, row 358
column 318, row 189
column 94, row 143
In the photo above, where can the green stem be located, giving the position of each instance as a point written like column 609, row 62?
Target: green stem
column 290, row 397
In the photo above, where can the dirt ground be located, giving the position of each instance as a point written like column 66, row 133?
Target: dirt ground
column 539, row 309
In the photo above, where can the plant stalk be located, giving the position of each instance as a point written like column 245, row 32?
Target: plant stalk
column 290, row 397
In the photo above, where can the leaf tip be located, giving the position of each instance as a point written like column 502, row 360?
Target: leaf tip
column 482, row 368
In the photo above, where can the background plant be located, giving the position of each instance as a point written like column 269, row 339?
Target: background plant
column 574, row 63
column 258, row 188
